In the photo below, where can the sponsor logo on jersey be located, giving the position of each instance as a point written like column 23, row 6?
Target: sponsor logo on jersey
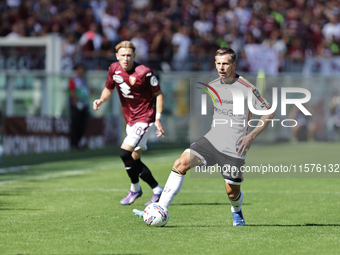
column 118, row 72
column 125, row 90
column 117, row 78
column 148, row 74
column 212, row 89
column 132, row 80
column 153, row 81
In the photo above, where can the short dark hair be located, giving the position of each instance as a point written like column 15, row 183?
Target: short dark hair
column 226, row 50
column 79, row 65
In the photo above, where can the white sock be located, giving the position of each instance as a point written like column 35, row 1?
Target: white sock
column 135, row 187
column 236, row 205
column 172, row 187
column 157, row 190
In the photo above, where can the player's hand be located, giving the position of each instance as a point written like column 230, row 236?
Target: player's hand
column 244, row 143
column 160, row 131
column 96, row 104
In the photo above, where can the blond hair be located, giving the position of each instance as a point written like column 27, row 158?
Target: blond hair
column 126, row 44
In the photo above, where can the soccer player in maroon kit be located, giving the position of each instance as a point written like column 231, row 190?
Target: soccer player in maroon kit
column 135, row 84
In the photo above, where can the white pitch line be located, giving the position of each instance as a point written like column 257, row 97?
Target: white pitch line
column 75, row 172
column 63, row 174
column 89, row 190
column 266, row 191
column 202, row 192
column 13, row 169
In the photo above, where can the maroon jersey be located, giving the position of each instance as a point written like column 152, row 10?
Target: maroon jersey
column 135, row 89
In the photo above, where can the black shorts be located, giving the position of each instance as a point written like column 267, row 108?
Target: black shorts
column 209, row 155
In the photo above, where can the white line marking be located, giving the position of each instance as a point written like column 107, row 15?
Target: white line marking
column 63, row 174
column 199, row 192
column 78, row 172
column 13, row 169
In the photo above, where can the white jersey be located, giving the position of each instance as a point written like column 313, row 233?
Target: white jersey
column 228, row 128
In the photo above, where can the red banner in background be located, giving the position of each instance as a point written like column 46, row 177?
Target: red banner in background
column 43, row 134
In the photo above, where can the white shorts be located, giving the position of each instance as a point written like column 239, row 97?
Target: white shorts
column 138, row 134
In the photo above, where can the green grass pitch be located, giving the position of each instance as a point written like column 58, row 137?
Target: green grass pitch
column 69, row 204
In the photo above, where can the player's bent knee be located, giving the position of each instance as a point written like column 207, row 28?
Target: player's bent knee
column 125, row 155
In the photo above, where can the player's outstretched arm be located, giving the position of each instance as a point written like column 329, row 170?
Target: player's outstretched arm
column 159, row 109
column 106, row 94
column 246, row 141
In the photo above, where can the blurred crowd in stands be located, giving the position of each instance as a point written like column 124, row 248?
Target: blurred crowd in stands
column 177, row 34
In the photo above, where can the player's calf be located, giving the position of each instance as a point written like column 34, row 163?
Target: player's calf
column 181, row 165
column 132, row 170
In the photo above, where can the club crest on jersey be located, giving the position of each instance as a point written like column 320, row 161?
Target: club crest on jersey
column 132, row 80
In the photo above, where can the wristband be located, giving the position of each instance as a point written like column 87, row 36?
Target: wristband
column 158, row 116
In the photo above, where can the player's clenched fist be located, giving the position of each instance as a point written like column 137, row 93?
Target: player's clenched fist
column 96, row 104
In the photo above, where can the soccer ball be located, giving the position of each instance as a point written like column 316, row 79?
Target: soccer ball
column 156, row 215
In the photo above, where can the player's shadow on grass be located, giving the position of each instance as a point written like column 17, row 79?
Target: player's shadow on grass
column 7, row 204
column 293, row 225
column 259, row 225
column 7, row 194
column 195, row 226
column 181, row 204
column 17, row 192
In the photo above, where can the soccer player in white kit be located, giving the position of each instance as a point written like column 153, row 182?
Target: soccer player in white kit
column 225, row 144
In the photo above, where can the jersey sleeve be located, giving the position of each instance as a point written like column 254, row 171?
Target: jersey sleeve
column 110, row 83
column 152, row 81
column 259, row 102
